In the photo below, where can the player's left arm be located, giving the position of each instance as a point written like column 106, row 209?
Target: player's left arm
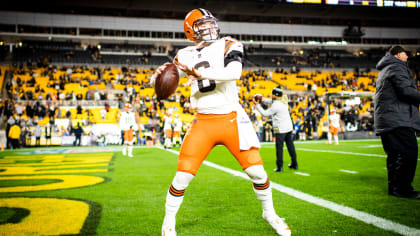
column 232, row 70
column 233, row 57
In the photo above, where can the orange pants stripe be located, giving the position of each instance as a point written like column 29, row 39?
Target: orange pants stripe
column 208, row 131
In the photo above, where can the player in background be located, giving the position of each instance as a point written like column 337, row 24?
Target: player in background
column 177, row 130
column 167, row 130
column 334, row 120
column 213, row 65
column 128, row 124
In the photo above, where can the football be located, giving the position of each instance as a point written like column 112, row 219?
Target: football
column 167, row 82
column 258, row 98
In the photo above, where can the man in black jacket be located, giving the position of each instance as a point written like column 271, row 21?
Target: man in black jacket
column 397, row 119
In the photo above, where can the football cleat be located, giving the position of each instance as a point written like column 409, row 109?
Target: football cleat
column 168, row 230
column 278, row 224
column 130, row 155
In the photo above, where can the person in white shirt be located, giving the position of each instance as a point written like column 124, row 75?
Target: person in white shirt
column 212, row 66
column 334, row 120
column 283, row 128
column 128, row 125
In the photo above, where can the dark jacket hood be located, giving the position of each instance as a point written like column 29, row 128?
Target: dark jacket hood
column 387, row 60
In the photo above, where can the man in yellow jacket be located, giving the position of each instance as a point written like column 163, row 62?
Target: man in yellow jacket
column 14, row 134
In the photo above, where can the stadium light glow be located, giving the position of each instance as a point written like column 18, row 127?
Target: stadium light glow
column 335, row 43
column 314, row 42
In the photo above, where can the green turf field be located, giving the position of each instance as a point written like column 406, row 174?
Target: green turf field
column 338, row 190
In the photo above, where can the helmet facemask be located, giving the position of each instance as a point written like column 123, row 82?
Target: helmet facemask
column 206, row 29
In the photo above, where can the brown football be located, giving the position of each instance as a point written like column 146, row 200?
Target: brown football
column 258, row 98
column 167, row 82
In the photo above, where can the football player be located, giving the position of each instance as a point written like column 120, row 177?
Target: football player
column 213, row 65
column 128, row 125
column 334, row 120
column 177, row 130
column 167, row 130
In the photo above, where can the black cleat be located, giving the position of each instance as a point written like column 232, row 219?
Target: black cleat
column 412, row 194
column 293, row 167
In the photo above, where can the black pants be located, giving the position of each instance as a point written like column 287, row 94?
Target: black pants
column 401, row 147
column 77, row 140
column 38, row 141
column 280, row 138
column 14, row 143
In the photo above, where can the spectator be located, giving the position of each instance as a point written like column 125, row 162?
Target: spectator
column 14, row 135
column 78, row 131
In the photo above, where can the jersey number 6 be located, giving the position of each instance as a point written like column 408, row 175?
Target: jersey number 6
column 211, row 85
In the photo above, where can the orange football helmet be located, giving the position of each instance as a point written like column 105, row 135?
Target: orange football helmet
column 201, row 25
column 127, row 106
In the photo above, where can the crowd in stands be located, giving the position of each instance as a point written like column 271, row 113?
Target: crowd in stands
column 41, row 94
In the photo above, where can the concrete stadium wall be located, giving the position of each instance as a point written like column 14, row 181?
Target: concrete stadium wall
column 166, row 25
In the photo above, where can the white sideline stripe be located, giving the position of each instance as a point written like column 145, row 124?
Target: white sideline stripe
column 349, row 171
column 370, row 146
column 301, row 173
column 323, row 141
column 347, row 211
column 341, row 152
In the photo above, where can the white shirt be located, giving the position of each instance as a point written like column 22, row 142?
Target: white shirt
column 216, row 92
column 128, row 120
column 177, row 124
column 167, row 122
column 280, row 113
column 335, row 120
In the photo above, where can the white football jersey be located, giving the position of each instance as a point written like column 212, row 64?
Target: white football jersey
column 167, row 122
column 128, row 120
column 212, row 96
column 177, row 124
column 335, row 120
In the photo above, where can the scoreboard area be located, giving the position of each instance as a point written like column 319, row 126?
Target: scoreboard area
column 371, row 3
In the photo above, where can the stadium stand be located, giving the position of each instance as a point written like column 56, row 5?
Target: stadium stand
column 84, row 73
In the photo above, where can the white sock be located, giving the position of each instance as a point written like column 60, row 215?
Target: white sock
column 329, row 137
column 167, row 142
column 336, row 138
column 124, row 149
column 171, row 208
column 130, row 150
column 262, row 188
column 175, row 196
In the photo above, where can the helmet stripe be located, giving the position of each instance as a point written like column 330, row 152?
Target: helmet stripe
column 203, row 11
